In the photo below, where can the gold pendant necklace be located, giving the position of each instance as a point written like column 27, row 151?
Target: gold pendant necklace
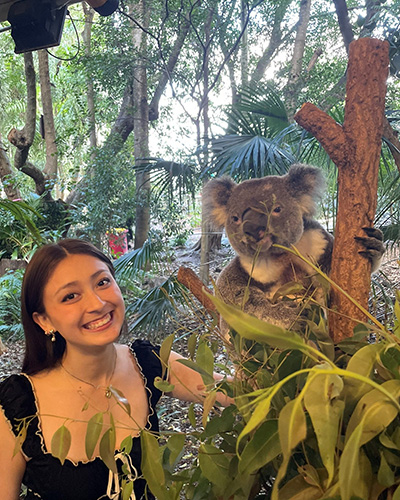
column 107, row 388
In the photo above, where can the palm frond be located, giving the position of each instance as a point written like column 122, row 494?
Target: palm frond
column 23, row 213
column 130, row 264
column 157, row 306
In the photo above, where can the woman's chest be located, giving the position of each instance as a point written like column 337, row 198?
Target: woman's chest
column 86, row 422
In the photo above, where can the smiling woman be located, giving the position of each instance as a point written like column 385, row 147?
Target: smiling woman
column 80, row 393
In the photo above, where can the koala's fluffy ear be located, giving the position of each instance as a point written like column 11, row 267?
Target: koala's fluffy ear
column 306, row 183
column 216, row 194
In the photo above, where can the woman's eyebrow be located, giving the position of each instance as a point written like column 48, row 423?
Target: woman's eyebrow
column 74, row 283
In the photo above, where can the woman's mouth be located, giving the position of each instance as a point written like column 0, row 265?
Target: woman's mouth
column 98, row 323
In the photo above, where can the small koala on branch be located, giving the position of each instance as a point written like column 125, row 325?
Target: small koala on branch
column 256, row 215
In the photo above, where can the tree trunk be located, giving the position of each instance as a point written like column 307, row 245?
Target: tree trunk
column 141, row 125
column 50, row 169
column 7, row 175
column 87, row 37
column 291, row 90
column 244, row 53
column 355, row 149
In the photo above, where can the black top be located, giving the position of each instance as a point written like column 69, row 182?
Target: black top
column 45, row 477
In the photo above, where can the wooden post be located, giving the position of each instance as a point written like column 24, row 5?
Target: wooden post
column 355, row 149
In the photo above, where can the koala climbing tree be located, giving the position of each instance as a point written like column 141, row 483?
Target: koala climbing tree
column 355, row 149
column 260, row 216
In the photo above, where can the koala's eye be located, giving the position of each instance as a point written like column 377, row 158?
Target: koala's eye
column 235, row 218
column 277, row 209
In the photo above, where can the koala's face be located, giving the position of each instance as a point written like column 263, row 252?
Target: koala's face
column 261, row 213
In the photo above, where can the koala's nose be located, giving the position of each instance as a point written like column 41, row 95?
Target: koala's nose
column 254, row 225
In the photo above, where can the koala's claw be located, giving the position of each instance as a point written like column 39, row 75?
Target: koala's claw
column 373, row 245
column 373, row 232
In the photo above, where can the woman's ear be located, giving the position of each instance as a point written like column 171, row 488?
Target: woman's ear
column 42, row 321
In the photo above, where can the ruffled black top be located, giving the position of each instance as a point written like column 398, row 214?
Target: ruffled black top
column 45, row 477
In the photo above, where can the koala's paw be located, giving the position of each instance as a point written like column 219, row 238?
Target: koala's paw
column 373, row 246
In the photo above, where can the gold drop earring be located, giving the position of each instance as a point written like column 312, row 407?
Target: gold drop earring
column 52, row 334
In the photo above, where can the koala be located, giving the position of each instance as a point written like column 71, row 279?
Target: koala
column 256, row 215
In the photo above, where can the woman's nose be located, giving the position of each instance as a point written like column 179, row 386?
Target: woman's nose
column 94, row 301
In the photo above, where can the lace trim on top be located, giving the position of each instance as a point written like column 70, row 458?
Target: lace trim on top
column 39, row 431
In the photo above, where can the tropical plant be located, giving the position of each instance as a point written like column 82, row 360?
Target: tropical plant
column 10, row 305
column 312, row 420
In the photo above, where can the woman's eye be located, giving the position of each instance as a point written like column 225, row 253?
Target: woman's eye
column 68, row 297
column 104, row 282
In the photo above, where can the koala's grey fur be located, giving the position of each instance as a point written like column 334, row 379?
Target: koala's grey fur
column 258, row 213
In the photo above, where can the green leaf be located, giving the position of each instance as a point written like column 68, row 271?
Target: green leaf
column 375, row 410
column 93, row 431
column 163, row 385
column 127, row 490
column 151, row 465
column 61, row 443
column 126, row 445
column 292, row 426
column 207, row 378
column 107, row 449
column 192, row 416
column 298, row 489
column 120, row 397
column 205, row 358
column 251, row 328
column 191, row 345
column 349, row 468
column 208, row 405
column 385, row 473
column 165, row 351
column 396, row 494
column 176, row 443
column 215, row 466
column 326, row 413
column 263, row 447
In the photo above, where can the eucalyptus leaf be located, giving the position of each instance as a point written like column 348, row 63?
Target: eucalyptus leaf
column 107, row 449
column 207, row 378
column 215, row 465
column 151, row 465
column 326, row 411
column 61, row 443
column 263, row 447
column 252, row 328
column 165, row 351
column 163, row 385
column 93, row 431
column 205, row 358
column 349, row 468
column 385, row 473
column 375, row 410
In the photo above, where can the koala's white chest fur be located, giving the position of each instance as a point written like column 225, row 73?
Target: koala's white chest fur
column 271, row 268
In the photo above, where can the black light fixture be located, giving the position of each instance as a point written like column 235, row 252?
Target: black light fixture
column 38, row 24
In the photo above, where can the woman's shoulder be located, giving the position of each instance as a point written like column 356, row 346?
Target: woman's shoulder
column 16, row 396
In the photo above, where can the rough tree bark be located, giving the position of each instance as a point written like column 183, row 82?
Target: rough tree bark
column 50, row 169
column 87, row 37
column 291, row 90
column 141, row 125
column 355, row 149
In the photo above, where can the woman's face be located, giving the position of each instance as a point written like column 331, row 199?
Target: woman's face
column 83, row 302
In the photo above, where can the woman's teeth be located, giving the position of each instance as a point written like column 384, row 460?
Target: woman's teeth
column 98, row 323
